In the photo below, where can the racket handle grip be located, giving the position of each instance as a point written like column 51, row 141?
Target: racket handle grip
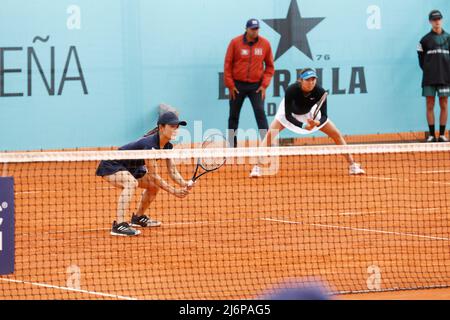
column 190, row 183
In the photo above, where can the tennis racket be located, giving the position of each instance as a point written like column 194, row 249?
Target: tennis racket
column 320, row 104
column 210, row 163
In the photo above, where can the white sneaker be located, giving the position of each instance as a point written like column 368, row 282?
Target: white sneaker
column 256, row 172
column 442, row 139
column 355, row 168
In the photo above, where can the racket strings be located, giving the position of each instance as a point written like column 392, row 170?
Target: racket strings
column 213, row 142
column 319, row 105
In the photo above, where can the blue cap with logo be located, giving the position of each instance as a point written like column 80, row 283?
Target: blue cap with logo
column 307, row 74
column 252, row 24
column 170, row 118
column 435, row 15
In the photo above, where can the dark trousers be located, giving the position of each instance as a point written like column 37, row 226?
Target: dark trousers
column 246, row 90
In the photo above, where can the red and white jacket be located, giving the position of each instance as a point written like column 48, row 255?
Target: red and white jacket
column 248, row 62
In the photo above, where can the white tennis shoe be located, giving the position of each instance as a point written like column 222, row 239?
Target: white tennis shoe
column 355, row 168
column 256, row 172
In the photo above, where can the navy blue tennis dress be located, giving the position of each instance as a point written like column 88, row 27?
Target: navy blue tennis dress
column 136, row 167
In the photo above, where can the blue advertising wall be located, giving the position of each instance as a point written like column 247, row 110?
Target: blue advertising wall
column 92, row 73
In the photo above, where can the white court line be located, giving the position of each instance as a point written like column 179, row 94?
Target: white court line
column 425, row 209
column 104, row 229
column 62, row 232
column 403, row 180
column 357, row 229
column 443, row 286
column 383, row 212
column 55, row 191
column 433, row 171
column 210, row 222
column 361, row 213
column 37, row 284
column 443, row 183
column 379, row 178
column 164, row 225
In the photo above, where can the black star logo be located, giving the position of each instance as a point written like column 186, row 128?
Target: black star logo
column 293, row 30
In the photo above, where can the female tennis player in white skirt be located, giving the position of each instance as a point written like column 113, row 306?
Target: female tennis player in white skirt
column 296, row 113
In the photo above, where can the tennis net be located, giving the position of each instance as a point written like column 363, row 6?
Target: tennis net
column 233, row 237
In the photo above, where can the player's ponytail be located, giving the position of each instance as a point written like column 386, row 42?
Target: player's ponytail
column 153, row 131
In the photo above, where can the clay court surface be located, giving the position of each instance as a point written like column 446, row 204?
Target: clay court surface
column 235, row 237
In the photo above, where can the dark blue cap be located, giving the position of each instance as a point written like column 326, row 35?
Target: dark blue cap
column 300, row 293
column 252, row 24
column 308, row 74
column 170, row 118
column 435, row 15
column 299, row 290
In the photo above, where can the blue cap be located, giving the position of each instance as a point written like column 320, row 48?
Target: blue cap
column 435, row 15
column 170, row 118
column 307, row 74
column 300, row 293
column 252, row 24
column 299, row 290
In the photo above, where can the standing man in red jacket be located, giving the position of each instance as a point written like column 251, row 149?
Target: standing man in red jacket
column 248, row 70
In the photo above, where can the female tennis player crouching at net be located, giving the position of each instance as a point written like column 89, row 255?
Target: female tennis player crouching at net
column 131, row 174
column 296, row 112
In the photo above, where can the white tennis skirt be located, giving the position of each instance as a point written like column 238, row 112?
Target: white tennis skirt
column 281, row 117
